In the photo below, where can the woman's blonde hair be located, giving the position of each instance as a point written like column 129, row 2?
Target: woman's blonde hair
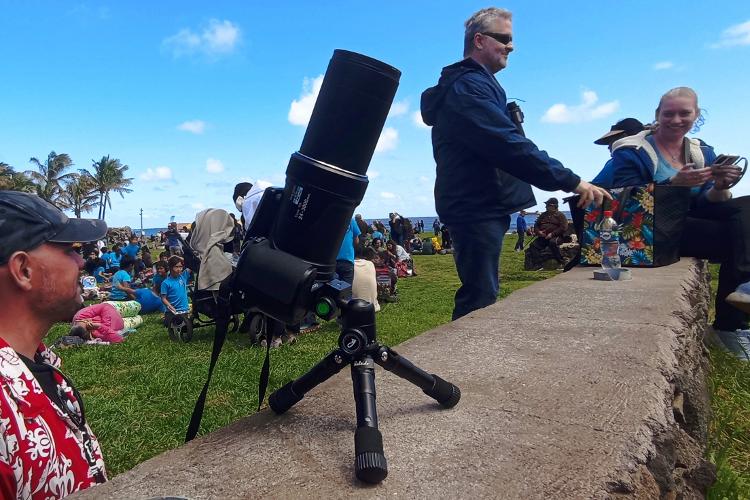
column 682, row 92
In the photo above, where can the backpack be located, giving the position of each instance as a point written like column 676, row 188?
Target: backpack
column 427, row 248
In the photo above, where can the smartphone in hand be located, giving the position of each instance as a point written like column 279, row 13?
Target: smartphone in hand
column 724, row 160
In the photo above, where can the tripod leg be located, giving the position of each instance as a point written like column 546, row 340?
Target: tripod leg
column 441, row 391
column 292, row 393
column 370, row 464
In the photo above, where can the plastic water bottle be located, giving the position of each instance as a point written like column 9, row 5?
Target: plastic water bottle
column 609, row 243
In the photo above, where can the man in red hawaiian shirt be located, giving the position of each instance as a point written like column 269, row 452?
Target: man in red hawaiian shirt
column 47, row 449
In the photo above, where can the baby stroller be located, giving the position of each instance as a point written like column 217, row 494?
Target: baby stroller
column 210, row 293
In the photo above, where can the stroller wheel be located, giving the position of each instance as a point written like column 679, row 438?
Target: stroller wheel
column 171, row 331
column 234, row 323
column 255, row 328
column 186, row 332
column 181, row 328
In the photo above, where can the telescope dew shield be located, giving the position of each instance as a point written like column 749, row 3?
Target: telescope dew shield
column 326, row 179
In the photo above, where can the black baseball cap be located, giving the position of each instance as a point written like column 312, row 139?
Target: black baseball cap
column 551, row 201
column 27, row 221
column 623, row 128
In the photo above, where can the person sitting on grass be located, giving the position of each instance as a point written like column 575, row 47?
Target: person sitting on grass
column 173, row 290
column 95, row 266
column 365, row 284
column 121, row 288
column 385, row 274
column 163, row 257
column 162, row 271
column 115, row 259
column 132, row 248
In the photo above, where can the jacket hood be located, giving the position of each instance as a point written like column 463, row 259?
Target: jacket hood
column 433, row 97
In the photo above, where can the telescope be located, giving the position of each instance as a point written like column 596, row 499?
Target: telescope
column 287, row 265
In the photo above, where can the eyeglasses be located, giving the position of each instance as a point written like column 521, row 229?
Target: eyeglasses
column 503, row 38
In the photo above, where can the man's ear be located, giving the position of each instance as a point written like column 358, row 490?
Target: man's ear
column 477, row 41
column 20, row 270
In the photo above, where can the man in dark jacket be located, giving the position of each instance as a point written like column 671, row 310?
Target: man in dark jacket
column 550, row 228
column 484, row 164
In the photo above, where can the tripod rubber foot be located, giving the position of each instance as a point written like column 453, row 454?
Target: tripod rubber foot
column 370, row 465
column 283, row 398
column 445, row 393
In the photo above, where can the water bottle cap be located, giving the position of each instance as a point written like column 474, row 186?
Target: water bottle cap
column 608, row 213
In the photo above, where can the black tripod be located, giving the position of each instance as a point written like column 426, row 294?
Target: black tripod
column 359, row 348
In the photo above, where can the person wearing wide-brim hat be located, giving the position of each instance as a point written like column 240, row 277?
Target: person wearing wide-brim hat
column 550, row 228
column 623, row 128
column 39, row 286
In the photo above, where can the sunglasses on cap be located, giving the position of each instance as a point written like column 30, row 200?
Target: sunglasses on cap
column 503, row 38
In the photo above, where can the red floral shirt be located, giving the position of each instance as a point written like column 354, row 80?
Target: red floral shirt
column 44, row 453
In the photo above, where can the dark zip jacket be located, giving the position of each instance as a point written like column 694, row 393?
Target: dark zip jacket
column 484, row 165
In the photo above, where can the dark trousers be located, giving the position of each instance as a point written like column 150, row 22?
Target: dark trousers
column 540, row 243
column 721, row 232
column 519, row 243
column 345, row 271
column 476, row 251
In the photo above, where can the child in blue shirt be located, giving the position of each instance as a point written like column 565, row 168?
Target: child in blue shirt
column 174, row 287
column 115, row 258
column 132, row 248
column 121, row 289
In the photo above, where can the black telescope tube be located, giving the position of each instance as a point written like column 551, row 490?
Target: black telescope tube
column 350, row 112
column 326, row 179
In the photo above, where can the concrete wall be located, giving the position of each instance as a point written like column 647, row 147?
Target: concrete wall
column 572, row 388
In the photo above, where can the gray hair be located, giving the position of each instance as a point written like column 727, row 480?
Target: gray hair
column 479, row 22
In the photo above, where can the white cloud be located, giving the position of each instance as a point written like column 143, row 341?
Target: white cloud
column 215, row 39
column 399, row 108
column 662, row 65
column 588, row 110
column 416, row 117
column 387, row 195
column 388, row 140
column 373, row 174
column 193, row 126
column 301, row 110
column 197, row 206
column 739, row 34
column 157, row 174
column 214, row 166
column 424, row 179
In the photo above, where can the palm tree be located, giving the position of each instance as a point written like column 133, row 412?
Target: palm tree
column 49, row 177
column 15, row 181
column 6, row 174
column 109, row 176
column 80, row 194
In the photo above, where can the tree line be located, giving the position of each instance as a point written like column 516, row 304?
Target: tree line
column 80, row 191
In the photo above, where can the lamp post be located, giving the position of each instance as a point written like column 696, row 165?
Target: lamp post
column 141, row 223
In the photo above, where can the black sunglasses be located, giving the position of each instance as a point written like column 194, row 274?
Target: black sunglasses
column 503, row 38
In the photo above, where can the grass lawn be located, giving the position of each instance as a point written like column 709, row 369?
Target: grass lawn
column 139, row 395
column 729, row 431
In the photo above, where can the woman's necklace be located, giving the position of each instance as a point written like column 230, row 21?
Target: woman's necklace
column 675, row 157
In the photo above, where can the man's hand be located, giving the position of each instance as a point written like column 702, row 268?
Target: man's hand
column 590, row 193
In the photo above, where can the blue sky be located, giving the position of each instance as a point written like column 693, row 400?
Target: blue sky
column 195, row 97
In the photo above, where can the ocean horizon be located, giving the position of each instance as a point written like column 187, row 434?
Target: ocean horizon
column 530, row 219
